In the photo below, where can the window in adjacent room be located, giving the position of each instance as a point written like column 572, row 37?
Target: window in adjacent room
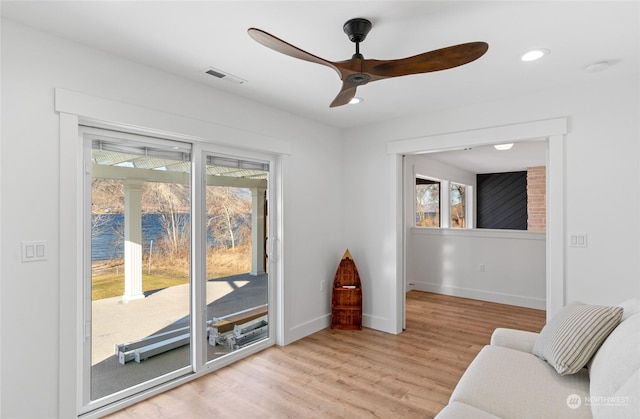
column 427, row 203
column 458, row 205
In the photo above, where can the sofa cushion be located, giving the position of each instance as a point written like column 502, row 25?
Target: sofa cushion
column 457, row 410
column 631, row 307
column 615, row 373
column 573, row 335
column 512, row 384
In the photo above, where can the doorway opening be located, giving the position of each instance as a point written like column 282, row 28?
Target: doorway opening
column 502, row 263
column 553, row 130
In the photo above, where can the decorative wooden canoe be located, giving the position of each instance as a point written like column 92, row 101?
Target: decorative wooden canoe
column 346, row 301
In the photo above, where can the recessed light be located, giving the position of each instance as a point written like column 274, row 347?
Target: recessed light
column 355, row 100
column 535, row 54
column 503, row 147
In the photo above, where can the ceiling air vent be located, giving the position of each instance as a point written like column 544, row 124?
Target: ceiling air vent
column 224, row 76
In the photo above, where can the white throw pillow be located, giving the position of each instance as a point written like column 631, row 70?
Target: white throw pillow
column 573, row 335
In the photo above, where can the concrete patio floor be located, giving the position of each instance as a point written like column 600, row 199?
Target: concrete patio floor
column 117, row 322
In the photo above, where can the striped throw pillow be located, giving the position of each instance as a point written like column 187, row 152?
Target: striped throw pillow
column 572, row 336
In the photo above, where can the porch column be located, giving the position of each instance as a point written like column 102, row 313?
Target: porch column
column 132, row 240
column 257, row 231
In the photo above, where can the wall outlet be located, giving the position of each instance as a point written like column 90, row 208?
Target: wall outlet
column 481, row 267
column 322, row 283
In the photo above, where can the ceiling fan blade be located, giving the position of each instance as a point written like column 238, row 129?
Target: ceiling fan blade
column 359, row 71
column 286, row 48
column 347, row 93
column 440, row 59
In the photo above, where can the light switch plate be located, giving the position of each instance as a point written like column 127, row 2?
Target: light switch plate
column 33, row 251
column 578, row 240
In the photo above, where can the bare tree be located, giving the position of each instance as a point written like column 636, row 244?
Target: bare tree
column 107, row 196
column 171, row 202
column 428, row 204
column 228, row 214
column 458, row 208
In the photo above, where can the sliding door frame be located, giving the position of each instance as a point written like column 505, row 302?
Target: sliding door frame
column 87, row 136
column 76, row 110
column 200, row 153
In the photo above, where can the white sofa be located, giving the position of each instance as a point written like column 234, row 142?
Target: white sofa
column 506, row 379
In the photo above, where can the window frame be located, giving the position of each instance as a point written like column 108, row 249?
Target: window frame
column 464, row 201
column 424, row 180
column 445, row 204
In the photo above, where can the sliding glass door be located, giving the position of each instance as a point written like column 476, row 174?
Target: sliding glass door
column 237, row 281
column 176, row 276
column 138, row 297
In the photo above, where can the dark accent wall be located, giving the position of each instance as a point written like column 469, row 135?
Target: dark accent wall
column 502, row 200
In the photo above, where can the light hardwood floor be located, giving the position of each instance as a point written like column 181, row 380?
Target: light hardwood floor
column 350, row 374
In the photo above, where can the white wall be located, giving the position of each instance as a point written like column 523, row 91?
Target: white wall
column 601, row 164
column 33, row 64
column 506, row 267
column 421, row 164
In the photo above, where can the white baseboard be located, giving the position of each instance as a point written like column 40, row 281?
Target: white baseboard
column 494, row 297
column 322, row 322
column 377, row 323
column 307, row 328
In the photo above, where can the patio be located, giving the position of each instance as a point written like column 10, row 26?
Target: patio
column 116, row 322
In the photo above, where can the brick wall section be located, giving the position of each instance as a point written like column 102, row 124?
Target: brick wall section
column 537, row 199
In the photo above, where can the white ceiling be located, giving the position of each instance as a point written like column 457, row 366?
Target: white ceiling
column 486, row 159
column 186, row 38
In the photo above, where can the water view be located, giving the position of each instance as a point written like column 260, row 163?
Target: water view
column 109, row 242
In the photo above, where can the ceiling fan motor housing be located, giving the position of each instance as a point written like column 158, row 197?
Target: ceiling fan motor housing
column 359, row 79
column 357, row 29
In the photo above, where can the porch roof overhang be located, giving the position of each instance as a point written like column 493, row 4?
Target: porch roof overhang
column 116, row 165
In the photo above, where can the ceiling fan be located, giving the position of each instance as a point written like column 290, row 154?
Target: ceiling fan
column 359, row 71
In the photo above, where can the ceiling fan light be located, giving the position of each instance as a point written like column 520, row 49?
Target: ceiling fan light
column 355, row 100
column 535, row 54
column 503, row 147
